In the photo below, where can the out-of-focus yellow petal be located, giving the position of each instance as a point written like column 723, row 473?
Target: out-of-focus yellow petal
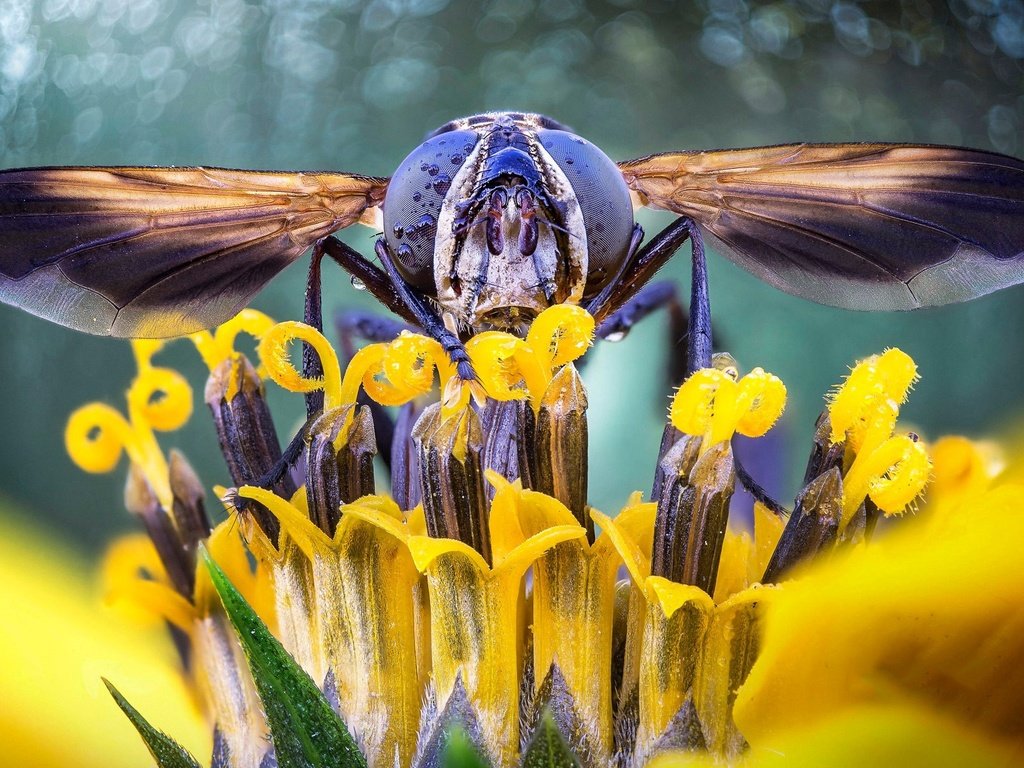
column 933, row 613
column 884, row 736
column 56, row 643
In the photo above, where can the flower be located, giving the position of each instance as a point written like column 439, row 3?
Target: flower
column 476, row 610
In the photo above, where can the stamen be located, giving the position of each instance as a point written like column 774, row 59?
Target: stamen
column 273, row 352
column 218, row 346
column 867, row 403
column 158, row 399
column 893, row 474
column 710, row 403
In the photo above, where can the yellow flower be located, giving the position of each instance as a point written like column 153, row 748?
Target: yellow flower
column 491, row 607
column 57, row 641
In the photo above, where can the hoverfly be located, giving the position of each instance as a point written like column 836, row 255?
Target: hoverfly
column 496, row 216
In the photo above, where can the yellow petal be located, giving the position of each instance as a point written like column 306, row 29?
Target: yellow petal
column 57, row 642
column 930, row 613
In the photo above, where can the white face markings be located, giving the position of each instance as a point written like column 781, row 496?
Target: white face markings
column 479, row 288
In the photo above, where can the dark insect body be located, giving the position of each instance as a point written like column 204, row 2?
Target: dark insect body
column 495, row 217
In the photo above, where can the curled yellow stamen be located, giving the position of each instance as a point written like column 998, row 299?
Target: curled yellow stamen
column 893, row 475
column 511, row 368
column 158, row 399
column 864, row 409
column 410, row 361
column 96, row 435
column 710, row 403
column 273, row 351
column 507, row 366
column 561, row 334
column 218, row 346
column 161, row 398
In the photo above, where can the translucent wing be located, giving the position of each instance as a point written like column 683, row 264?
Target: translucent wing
column 153, row 252
column 862, row 226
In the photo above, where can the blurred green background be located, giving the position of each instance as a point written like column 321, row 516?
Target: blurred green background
column 288, row 84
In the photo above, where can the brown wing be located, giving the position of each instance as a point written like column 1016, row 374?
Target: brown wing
column 862, row 226
column 154, row 252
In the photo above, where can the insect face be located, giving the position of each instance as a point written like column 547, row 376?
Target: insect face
column 500, row 216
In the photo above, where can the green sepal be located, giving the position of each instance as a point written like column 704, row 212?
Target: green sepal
column 460, row 751
column 166, row 751
column 547, row 747
column 307, row 733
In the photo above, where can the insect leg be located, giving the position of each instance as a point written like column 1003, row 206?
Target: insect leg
column 313, row 315
column 426, row 317
column 370, row 275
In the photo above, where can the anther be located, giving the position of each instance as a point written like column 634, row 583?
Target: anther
column 246, row 432
column 339, row 462
column 451, row 477
column 553, row 445
column 813, row 526
column 693, row 511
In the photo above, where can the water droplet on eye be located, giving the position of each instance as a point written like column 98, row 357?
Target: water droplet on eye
column 442, row 184
column 423, row 166
column 579, row 141
column 358, row 284
column 468, row 148
column 417, row 196
column 432, row 169
column 569, row 161
column 405, row 254
column 615, row 336
column 424, row 226
column 457, row 159
column 398, row 231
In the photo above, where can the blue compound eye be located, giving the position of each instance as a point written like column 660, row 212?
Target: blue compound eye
column 413, row 202
column 603, row 198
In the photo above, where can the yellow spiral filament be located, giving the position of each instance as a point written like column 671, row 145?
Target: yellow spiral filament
column 217, row 346
column 158, row 399
column 394, row 373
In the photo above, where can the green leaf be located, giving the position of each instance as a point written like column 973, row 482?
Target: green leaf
column 166, row 751
column 307, row 733
column 547, row 747
column 460, row 751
